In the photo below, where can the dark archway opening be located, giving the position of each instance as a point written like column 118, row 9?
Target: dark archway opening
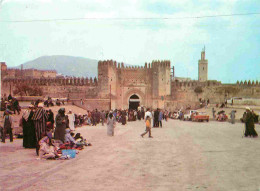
column 134, row 102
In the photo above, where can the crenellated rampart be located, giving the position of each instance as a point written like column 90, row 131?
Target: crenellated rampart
column 248, row 83
column 73, row 81
column 114, row 64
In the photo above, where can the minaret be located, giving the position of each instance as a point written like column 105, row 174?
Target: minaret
column 203, row 67
column 21, row 70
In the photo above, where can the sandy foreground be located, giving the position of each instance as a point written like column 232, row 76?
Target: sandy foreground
column 181, row 156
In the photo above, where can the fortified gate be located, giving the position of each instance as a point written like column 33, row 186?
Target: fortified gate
column 130, row 87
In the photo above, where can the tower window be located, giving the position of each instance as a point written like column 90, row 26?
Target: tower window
column 203, row 68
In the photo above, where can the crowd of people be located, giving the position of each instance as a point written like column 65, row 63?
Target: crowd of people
column 10, row 103
column 50, row 134
column 39, row 125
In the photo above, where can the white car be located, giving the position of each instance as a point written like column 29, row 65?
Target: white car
column 187, row 116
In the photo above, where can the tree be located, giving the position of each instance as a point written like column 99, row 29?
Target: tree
column 26, row 90
column 198, row 90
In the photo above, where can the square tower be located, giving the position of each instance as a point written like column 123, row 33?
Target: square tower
column 203, row 67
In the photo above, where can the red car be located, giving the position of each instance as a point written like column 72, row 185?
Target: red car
column 200, row 117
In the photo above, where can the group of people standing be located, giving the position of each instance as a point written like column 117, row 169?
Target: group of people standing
column 10, row 103
column 38, row 122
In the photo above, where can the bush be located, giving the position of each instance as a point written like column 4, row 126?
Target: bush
column 26, row 90
column 198, row 90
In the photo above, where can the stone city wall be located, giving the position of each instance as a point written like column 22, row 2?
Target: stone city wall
column 91, row 104
column 214, row 91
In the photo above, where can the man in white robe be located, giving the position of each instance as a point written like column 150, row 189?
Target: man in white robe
column 71, row 118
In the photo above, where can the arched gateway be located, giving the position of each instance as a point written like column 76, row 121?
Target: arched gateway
column 134, row 102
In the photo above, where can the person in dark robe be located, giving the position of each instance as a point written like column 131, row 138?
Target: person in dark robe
column 61, row 125
column 139, row 115
column 98, row 116
column 37, row 103
column 156, row 118
column 3, row 107
column 29, row 136
column 8, row 125
column 10, row 97
column 39, row 119
column 160, row 118
column 58, row 102
column 50, row 117
column 142, row 113
column 93, row 118
column 249, row 123
column 131, row 115
column 123, row 118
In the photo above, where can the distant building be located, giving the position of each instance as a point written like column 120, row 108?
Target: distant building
column 181, row 79
column 203, row 67
column 25, row 73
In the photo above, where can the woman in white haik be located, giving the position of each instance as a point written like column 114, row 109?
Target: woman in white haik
column 71, row 117
column 111, row 123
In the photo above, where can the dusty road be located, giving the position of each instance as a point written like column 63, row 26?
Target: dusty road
column 181, row 156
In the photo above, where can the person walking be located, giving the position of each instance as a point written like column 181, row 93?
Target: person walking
column 233, row 116
column 161, row 118
column 39, row 119
column 8, row 125
column 148, row 113
column 148, row 127
column 249, row 124
column 156, row 118
column 111, row 123
column 213, row 112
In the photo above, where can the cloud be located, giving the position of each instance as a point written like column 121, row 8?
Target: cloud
column 229, row 40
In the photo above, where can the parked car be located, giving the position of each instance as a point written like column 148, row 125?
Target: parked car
column 200, row 116
column 221, row 116
column 188, row 115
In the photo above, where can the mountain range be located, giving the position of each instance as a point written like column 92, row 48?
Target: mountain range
column 65, row 65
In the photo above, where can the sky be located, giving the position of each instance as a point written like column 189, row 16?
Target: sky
column 137, row 31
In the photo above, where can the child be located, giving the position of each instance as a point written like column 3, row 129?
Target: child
column 148, row 127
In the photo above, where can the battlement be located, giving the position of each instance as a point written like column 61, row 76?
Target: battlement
column 163, row 63
column 114, row 64
column 71, row 81
column 194, row 83
column 32, row 69
column 248, row 83
column 107, row 63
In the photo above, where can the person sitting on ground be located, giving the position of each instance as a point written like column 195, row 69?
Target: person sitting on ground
column 47, row 149
column 72, row 141
column 58, row 102
column 68, row 138
column 46, row 103
column 148, row 127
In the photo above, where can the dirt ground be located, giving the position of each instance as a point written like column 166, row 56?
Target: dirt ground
column 182, row 156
